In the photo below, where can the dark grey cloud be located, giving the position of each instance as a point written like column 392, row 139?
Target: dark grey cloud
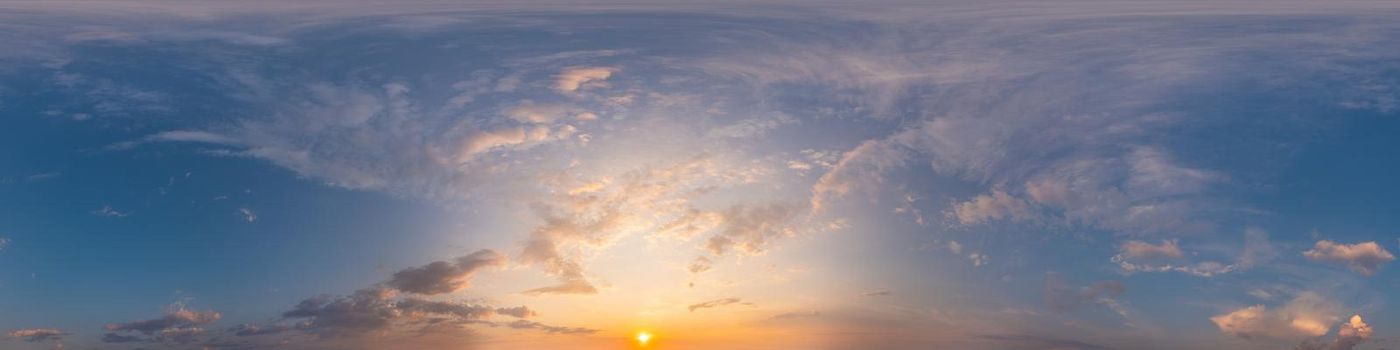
column 179, row 324
column 441, row 277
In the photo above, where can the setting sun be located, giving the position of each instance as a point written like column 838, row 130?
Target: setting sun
column 643, row 338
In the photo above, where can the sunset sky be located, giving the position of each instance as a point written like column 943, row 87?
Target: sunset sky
column 786, row 175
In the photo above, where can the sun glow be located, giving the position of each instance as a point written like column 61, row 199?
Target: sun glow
column 643, row 338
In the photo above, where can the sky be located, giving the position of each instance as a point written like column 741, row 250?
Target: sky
column 756, row 175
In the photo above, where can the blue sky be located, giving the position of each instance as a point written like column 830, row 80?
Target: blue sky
column 761, row 175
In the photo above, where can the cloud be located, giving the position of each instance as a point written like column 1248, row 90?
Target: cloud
column 861, row 167
column 1364, row 258
column 1062, row 297
column 4, row 243
column 524, row 324
column 748, row 229
column 376, row 310
column 1307, row 315
column 1138, row 256
column 876, row 293
column 1167, row 250
column 441, row 277
column 574, row 78
column 1350, row 334
column 533, row 113
column 994, row 206
column 700, row 264
column 36, row 334
column 107, row 211
column 248, row 330
column 179, row 324
column 248, row 214
column 714, row 303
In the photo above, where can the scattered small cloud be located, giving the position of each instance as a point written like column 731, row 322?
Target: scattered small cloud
column 714, row 303
column 877, row 293
column 107, row 211
column 248, row 214
column 36, row 334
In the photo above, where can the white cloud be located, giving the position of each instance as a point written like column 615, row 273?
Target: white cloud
column 1365, row 258
column 248, row 214
column 107, row 211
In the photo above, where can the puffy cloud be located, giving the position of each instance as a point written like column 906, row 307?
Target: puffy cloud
column 714, row 303
column 994, row 206
column 1148, row 251
column 179, row 324
column 1365, row 258
column 36, row 334
column 4, row 243
column 574, row 78
column 1350, row 334
column 443, row 276
column 1307, row 315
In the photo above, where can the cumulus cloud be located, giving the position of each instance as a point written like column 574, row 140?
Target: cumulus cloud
column 36, row 334
column 1350, row 334
column 714, row 303
column 180, row 324
column 1364, row 258
column 574, row 78
column 1308, row 315
column 445, row 276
